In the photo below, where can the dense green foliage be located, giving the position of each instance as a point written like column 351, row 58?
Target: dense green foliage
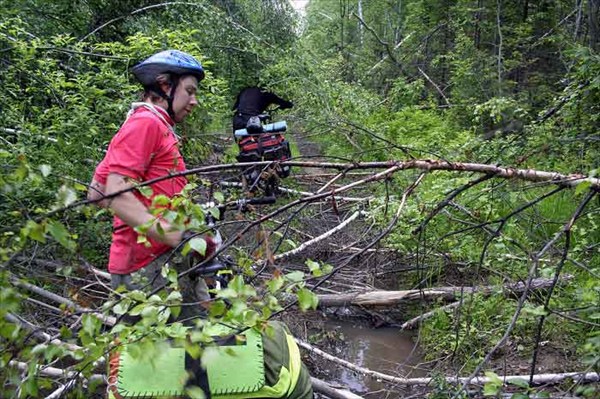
column 507, row 83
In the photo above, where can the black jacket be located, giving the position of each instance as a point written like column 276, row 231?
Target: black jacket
column 253, row 101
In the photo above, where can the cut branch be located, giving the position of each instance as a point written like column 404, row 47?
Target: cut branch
column 108, row 320
column 54, row 372
column 57, row 265
column 332, row 392
column 392, row 167
column 386, row 298
column 416, row 320
column 315, row 240
column 538, row 378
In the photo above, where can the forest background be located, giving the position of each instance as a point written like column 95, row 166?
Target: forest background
column 512, row 84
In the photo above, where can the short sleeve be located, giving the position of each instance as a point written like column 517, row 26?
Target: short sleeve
column 133, row 147
column 101, row 172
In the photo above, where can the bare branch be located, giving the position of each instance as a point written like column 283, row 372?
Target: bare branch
column 54, row 372
column 332, row 392
column 567, row 232
column 315, row 240
column 539, row 378
column 109, row 320
column 531, row 274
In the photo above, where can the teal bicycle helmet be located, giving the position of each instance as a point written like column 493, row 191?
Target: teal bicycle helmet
column 173, row 62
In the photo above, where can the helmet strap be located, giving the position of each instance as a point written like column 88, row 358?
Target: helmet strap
column 171, row 97
column 167, row 97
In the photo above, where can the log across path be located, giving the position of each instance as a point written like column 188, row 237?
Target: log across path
column 388, row 298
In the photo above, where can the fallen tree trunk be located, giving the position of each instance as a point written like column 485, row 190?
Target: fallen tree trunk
column 387, row 298
column 54, row 265
column 332, row 392
column 582, row 377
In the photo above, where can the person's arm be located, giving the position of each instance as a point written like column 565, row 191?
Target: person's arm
column 275, row 99
column 96, row 192
column 129, row 209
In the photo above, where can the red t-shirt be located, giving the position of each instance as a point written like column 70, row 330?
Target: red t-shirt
column 144, row 148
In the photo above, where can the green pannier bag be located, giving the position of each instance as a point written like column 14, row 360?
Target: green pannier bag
column 265, row 365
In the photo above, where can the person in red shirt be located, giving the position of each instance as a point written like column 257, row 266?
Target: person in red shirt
column 146, row 147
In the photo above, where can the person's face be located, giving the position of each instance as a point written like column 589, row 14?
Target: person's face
column 184, row 99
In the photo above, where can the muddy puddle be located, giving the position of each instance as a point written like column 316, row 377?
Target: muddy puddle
column 386, row 350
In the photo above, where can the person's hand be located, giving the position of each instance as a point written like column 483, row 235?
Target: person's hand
column 286, row 105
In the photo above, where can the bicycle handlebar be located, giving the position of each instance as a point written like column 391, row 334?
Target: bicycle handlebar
column 223, row 263
column 213, row 268
column 241, row 205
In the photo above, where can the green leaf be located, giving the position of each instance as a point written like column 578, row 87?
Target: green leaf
column 536, row 311
column 219, row 197
column 172, row 273
column 61, row 234
column 295, row 277
column 198, row 244
column 493, row 377
column 142, row 239
column 217, row 308
column 137, row 295
column 90, row 324
column 160, row 200
column 118, row 328
column 119, row 309
column 65, row 332
column 307, row 299
column 490, row 389
column 275, row 284
column 39, row 348
column 35, row 231
column 137, row 309
column 312, row 265
column 66, row 196
column 215, row 212
column 521, row 383
column 326, row 268
column 146, row 191
column 156, row 299
column 149, row 315
column 160, row 230
column 174, row 296
column 250, row 318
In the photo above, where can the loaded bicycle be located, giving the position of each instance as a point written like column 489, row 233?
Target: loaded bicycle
column 259, row 141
